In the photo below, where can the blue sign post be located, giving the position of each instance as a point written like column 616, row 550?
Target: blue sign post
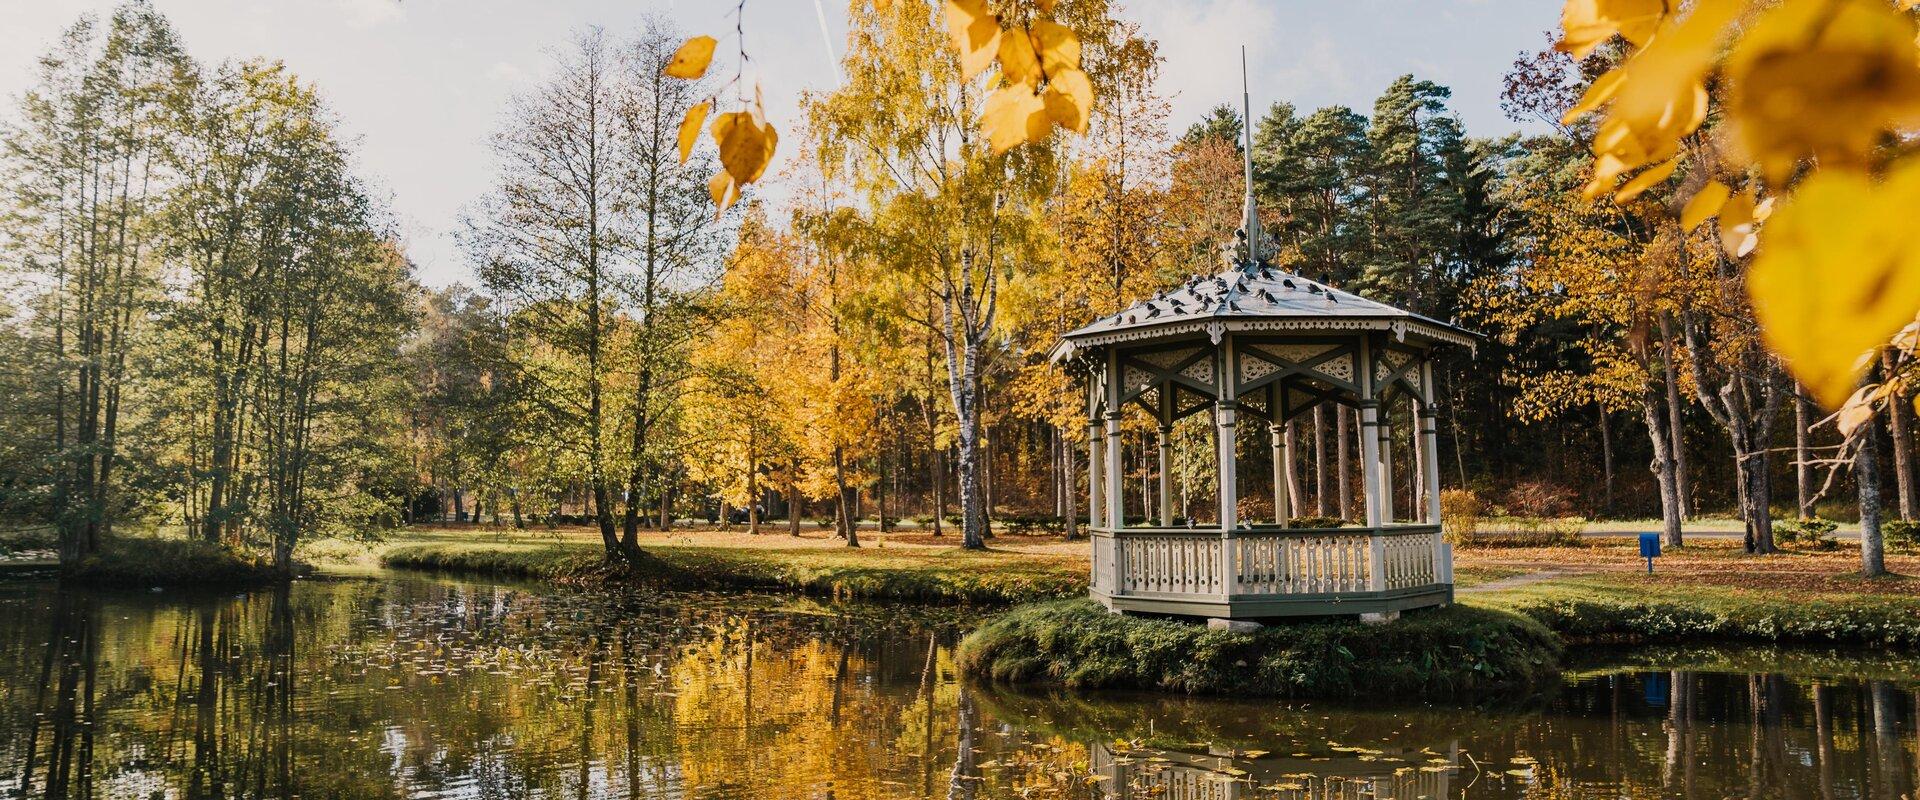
column 1649, row 549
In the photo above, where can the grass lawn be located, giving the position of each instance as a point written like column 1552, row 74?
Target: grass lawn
column 903, row 565
column 1596, row 590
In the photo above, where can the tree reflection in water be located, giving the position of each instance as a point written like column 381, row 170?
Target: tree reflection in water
column 372, row 689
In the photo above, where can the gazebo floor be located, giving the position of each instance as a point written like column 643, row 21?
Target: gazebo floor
column 1267, row 606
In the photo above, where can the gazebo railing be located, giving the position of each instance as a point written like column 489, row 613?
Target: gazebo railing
column 1268, row 562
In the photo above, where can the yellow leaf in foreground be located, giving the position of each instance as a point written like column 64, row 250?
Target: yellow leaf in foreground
column 1647, row 179
column 1069, row 99
column 1018, row 62
column 1013, row 115
column 1599, row 92
column 1839, row 276
column 1858, row 409
column 1737, row 236
column 691, row 60
column 976, row 34
column 690, row 129
column 723, row 191
column 1059, row 49
column 1590, row 23
column 1704, row 204
column 1823, row 79
column 746, row 146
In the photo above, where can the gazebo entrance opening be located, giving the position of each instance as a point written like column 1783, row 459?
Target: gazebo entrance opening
column 1255, row 345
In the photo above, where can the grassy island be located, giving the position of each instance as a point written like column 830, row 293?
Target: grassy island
column 1453, row 651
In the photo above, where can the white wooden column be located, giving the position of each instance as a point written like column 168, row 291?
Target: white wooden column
column 1384, row 450
column 1282, row 503
column 1225, row 416
column 1116, row 505
column 1166, row 474
column 1430, row 443
column 1096, row 505
column 1369, row 441
column 1430, row 438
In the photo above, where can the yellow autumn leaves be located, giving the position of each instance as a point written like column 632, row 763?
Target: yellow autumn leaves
column 1813, row 92
column 1042, row 83
column 1039, row 66
column 745, row 138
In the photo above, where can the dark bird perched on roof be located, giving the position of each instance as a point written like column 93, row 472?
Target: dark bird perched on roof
column 1232, row 306
column 1313, row 288
column 1152, row 311
column 1129, row 319
column 1287, row 282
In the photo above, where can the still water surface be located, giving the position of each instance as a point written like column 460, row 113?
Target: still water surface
column 408, row 687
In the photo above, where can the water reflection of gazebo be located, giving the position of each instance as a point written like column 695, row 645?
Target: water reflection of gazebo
column 1256, row 342
column 1219, row 775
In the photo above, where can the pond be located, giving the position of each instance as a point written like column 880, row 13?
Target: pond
column 414, row 687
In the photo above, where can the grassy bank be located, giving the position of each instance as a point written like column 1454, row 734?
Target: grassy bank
column 1614, row 607
column 903, row 568
column 143, row 561
column 1455, row 651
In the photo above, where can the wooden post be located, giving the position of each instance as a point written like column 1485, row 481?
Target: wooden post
column 1225, row 414
column 1430, row 437
column 1369, row 441
column 1096, row 506
column 1116, row 505
column 1166, row 474
column 1281, row 455
column 1385, row 453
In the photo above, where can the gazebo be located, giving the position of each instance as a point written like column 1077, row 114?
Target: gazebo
column 1257, row 344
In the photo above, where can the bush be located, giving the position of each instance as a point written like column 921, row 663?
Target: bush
column 1315, row 522
column 1255, row 506
column 1900, row 534
column 141, row 561
column 1814, row 534
column 1452, row 651
column 1539, row 499
column 1032, row 524
column 1460, row 511
column 1528, row 531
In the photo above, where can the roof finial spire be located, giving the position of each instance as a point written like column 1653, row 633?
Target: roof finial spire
column 1250, row 224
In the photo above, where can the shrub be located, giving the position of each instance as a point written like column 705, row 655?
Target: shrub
column 1460, row 511
column 142, row 561
column 1901, row 534
column 1315, row 522
column 1254, row 507
column 1032, row 524
column 1539, row 499
column 1815, row 534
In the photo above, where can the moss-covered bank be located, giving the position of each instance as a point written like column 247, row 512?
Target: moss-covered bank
column 950, row 576
column 1448, row 652
column 145, row 561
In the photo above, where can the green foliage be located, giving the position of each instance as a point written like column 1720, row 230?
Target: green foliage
column 949, row 577
column 144, row 561
column 1814, row 534
column 1901, row 534
column 1596, row 610
column 1453, row 651
column 1315, row 522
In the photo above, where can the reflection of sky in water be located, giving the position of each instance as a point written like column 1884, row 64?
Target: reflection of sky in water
column 416, row 688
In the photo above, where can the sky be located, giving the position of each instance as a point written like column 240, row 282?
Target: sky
column 419, row 84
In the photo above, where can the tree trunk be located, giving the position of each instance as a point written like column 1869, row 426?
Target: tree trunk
column 1321, row 479
column 1676, row 421
column 1291, row 444
column 1898, row 416
column 1803, row 451
column 1653, row 408
column 1069, row 493
column 1606, row 463
column 1866, row 474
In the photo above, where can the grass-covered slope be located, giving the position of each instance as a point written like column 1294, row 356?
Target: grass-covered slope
column 153, row 561
column 1454, row 651
column 946, row 575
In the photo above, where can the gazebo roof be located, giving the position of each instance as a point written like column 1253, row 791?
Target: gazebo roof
column 1257, row 297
